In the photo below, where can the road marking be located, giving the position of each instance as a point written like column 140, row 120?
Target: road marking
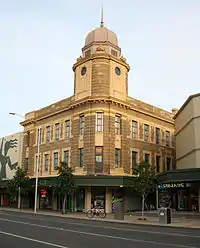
column 179, row 234
column 98, row 234
column 33, row 240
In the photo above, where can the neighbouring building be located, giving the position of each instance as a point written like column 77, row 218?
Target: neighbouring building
column 10, row 159
column 100, row 131
column 182, row 186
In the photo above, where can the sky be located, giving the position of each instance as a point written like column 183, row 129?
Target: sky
column 41, row 39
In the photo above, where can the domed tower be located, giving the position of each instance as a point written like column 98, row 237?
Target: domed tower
column 101, row 71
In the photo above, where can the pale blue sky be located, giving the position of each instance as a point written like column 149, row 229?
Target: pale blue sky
column 41, row 39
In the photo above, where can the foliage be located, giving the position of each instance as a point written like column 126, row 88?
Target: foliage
column 144, row 181
column 64, row 184
column 20, row 180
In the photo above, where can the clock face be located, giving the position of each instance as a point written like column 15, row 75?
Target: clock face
column 117, row 71
column 83, row 71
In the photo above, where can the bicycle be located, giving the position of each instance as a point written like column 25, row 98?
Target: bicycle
column 98, row 212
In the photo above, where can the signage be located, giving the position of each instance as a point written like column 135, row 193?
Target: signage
column 43, row 192
column 171, row 185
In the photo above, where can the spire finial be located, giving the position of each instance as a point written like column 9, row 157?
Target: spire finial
column 102, row 24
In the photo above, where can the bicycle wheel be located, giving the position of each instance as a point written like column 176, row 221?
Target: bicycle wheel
column 90, row 214
column 102, row 214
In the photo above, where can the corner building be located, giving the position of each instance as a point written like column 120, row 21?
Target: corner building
column 100, row 131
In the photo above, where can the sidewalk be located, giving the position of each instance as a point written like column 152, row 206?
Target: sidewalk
column 176, row 221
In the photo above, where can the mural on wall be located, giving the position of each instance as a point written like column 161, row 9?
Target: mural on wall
column 9, row 155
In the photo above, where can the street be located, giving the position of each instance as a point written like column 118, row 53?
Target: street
column 22, row 230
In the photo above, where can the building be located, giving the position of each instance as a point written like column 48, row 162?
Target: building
column 10, row 158
column 184, row 183
column 100, row 131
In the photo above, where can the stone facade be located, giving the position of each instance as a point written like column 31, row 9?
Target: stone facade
column 100, row 86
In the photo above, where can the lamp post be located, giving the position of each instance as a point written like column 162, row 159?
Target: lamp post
column 37, row 166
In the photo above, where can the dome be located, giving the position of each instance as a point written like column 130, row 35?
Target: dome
column 101, row 34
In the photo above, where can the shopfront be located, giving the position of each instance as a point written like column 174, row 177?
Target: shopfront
column 180, row 190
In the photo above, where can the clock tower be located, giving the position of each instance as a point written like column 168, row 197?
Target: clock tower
column 101, row 71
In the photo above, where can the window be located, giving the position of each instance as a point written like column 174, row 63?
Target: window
column 46, row 162
column 113, row 52
column 81, row 154
column 99, row 122
column 66, row 157
column 87, row 53
column 26, row 164
column 173, row 140
column 167, row 138
column 134, row 159
column 48, row 134
column 134, row 129
column 147, row 158
column 67, row 128
column 168, row 163
column 98, row 159
column 117, row 158
column 55, row 159
column 117, row 124
column 146, row 132
column 57, row 131
column 157, row 136
column 82, row 121
column 157, row 164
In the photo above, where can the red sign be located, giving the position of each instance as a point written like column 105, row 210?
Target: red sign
column 43, row 192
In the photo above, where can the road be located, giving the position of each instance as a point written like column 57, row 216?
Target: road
column 22, row 230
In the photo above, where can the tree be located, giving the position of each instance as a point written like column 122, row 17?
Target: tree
column 144, row 181
column 18, row 184
column 64, row 184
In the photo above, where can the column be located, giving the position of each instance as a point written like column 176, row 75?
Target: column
column 88, row 198
column 108, row 200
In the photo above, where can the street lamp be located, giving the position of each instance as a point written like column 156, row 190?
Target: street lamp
column 37, row 165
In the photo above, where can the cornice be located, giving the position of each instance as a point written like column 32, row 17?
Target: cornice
column 96, row 100
column 81, row 60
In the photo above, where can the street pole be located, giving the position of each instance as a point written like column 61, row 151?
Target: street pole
column 19, row 190
column 37, row 168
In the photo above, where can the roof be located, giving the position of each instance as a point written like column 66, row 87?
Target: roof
column 185, row 104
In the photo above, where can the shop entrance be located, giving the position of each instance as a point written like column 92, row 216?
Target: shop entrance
column 98, row 197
